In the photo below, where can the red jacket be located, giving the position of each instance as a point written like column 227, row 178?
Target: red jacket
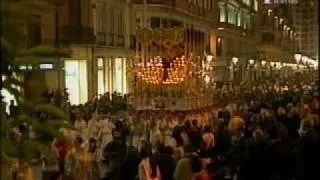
column 62, row 147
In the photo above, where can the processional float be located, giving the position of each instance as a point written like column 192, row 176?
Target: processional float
column 169, row 72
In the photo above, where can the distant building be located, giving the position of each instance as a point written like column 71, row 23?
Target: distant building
column 306, row 23
column 235, row 35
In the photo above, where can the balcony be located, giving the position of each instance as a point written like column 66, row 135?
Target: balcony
column 77, row 35
column 101, row 39
column 184, row 5
column 120, row 40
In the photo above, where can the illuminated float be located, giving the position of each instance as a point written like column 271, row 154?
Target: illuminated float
column 168, row 72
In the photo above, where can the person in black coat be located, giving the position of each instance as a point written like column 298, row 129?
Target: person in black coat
column 308, row 156
column 257, row 162
column 166, row 163
column 282, row 155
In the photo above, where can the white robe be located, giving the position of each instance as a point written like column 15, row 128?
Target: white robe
column 94, row 127
column 81, row 126
column 105, row 135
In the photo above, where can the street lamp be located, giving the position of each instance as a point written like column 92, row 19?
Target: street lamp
column 234, row 69
column 297, row 57
column 263, row 62
column 235, row 60
column 304, row 59
column 251, row 61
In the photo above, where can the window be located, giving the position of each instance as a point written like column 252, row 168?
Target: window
column 222, row 16
column 219, row 46
column 165, row 23
column 239, row 21
column 232, row 16
column 255, row 5
column 34, row 31
column 248, row 22
column 121, row 22
column 75, row 12
column 100, row 74
column 155, row 22
column 76, row 80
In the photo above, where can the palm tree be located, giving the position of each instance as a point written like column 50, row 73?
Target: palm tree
column 34, row 132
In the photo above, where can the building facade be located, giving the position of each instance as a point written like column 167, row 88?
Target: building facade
column 277, row 39
column 101, row 35
column 234, row 36
column 97, row 32
column 306, row 23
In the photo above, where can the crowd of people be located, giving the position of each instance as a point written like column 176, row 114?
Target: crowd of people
column 267, row 130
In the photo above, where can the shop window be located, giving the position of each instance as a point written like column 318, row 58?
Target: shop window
column 120, row 75
column 100, row 73
column 76, row 81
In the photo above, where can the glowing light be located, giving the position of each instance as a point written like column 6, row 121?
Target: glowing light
column 235, row 60
column 251, row 61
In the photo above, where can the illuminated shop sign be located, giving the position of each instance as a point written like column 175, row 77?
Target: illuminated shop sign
column 46, row 64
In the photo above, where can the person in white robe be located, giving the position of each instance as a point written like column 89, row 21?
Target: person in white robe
column 82, row 127
column 105, row 134
column 94, row 126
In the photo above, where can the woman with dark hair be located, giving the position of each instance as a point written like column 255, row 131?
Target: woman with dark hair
column 148, row 167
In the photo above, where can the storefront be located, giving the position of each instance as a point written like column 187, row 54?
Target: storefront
column 76, row 81
column 112, row 75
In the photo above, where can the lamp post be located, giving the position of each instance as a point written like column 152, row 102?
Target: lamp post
column 251, row 66
column 235, row 61
column 263, row 66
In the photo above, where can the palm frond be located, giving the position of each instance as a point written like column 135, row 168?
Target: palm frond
column 44, row 129
column 10, row 81
column 31, row 148
column 26, row 119
column 14, row 91
column 27, row 60
column 9, row 147
column 51, row 110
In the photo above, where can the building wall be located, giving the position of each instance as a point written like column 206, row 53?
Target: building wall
column 234, row 36
column 305, row 21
